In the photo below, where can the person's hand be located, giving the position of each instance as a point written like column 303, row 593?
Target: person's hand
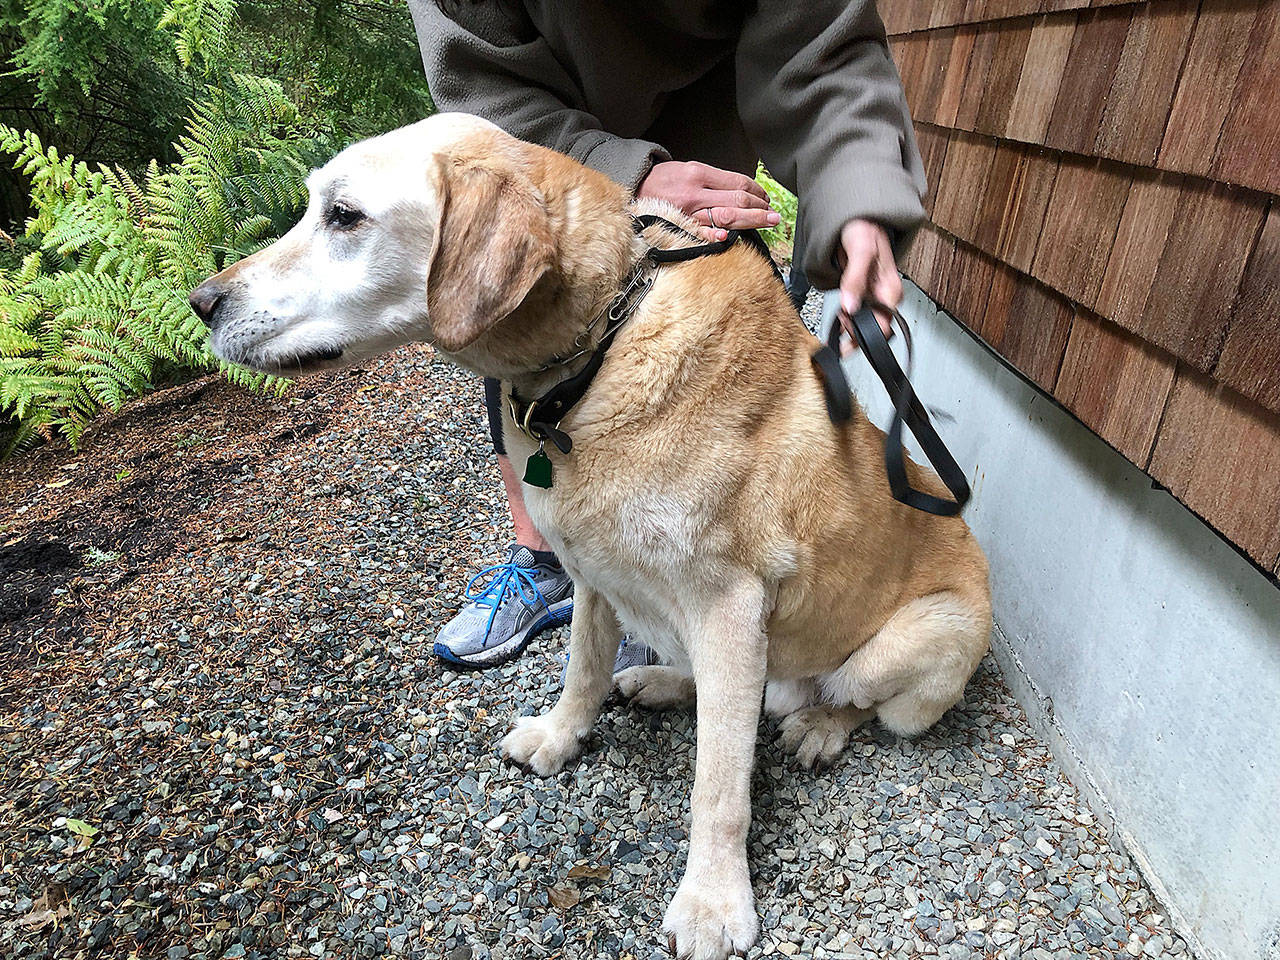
column 719, row 200
column 868, row 269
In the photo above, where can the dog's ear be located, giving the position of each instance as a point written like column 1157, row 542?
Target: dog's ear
column 492, row 245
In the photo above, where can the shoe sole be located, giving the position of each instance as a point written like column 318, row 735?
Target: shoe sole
column 557, row 614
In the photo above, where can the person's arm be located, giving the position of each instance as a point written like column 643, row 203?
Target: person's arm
column 823, row 103
column 487, row 59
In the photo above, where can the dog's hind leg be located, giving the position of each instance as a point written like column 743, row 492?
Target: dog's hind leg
column 818, row 734
column 916, row 666
column 784, row 697
column 546, row 743
column 655, row 687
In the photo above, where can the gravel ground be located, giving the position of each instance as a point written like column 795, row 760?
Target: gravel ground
column 222, row 733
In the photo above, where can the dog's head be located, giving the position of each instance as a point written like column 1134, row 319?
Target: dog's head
column 437, row 231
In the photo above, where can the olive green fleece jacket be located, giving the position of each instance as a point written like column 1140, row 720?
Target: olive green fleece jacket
column 807, row 86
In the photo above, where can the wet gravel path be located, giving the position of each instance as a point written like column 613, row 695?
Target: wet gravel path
column 225, row 736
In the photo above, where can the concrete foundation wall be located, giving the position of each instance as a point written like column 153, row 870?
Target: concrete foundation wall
column 1145, row 648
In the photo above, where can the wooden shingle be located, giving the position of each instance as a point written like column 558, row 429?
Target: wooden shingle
column 1024, row 215
column 933, row 151
column 967, row 284
column 908, row 56
column 928, row 260
column 1139, row 245
column 1011, row 40
column 1080, row 227
column 1250, row 359
column 900, row 18
column 997, row 196
column 944, row 13
column 1249, row 148
column 933, row 73
column 1220, row 455
column 1027, row 323
column 1137, row 106
column 954, row 79
column 1041, row 76
column 975, row 79
column 1091, row 65
column 963, row 181
column 1212, row 233
column 1116, row 383
column 1207, row 85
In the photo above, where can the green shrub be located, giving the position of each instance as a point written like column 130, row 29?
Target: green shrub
column 98, row 312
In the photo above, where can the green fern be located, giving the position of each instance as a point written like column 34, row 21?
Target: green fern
column 202, row 28
column 784, row 202
column 88, row 320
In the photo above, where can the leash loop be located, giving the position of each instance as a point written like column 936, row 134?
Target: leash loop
column 864, row 327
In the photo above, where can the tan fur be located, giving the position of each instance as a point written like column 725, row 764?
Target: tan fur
column 492, row 244
column 709, row 505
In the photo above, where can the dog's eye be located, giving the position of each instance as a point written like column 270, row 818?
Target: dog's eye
column 342, row 215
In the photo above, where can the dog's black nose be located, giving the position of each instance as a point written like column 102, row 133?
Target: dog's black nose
column 205, row 299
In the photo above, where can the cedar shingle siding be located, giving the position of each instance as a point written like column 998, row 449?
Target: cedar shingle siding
column 1104, row 179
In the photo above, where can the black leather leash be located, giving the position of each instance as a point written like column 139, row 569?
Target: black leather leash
column 907, row 409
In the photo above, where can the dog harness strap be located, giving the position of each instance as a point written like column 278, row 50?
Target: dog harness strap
column 907, row 409
column 835, row 387
column 681, row 254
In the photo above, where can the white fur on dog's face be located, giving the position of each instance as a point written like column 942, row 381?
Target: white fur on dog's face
column 348, row 281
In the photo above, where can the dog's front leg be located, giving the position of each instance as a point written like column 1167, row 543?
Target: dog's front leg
column 712, row 913
column 546, row 743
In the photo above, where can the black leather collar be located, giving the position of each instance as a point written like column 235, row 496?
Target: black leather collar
column 539, row 419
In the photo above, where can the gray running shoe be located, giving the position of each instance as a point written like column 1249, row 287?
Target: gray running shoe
column 511, row 603
column 633, row 653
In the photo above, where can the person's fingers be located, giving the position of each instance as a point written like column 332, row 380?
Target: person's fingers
column 886, row 285
column 853, row 280
column 717, row 179
column 885, row 320
column 732, row 199
column 712, row 234
column 736, row 218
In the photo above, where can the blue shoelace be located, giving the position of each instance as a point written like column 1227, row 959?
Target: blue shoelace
column 503, row 577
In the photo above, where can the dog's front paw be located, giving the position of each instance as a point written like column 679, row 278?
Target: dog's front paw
column 544, row 744
column 710, row 919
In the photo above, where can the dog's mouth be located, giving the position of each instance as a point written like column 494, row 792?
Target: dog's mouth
column 310, row 361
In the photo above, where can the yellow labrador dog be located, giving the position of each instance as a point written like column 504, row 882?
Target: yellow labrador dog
column 708, row 504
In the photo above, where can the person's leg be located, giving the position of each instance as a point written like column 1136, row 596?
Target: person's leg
column 527, row 534
column 511, row 602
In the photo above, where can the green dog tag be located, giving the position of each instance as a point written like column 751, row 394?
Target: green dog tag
column 537, row 470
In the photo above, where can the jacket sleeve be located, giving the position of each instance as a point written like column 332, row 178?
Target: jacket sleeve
column 823, row 103
column 487, row 59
